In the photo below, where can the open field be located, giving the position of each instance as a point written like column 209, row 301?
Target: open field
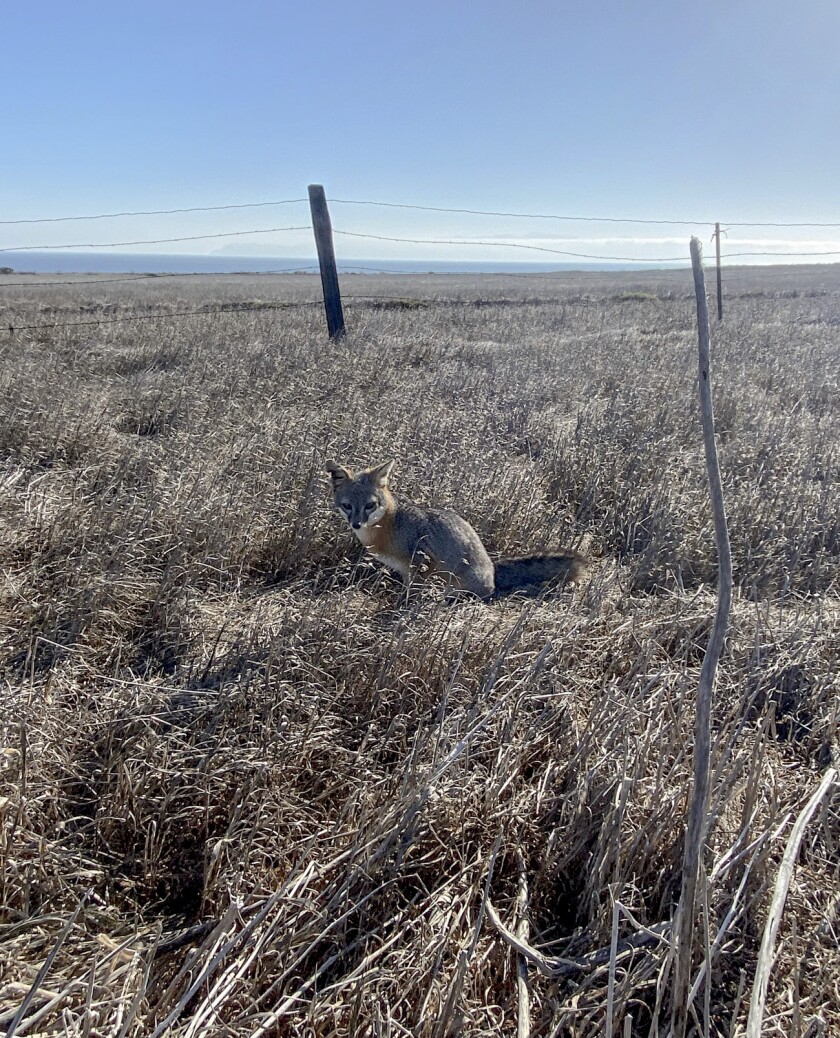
column 249, row 786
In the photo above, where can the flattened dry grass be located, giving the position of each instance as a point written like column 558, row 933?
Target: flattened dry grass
column 248, row 786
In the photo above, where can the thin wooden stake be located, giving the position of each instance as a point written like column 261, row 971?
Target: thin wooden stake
column 698, row 809
column 322, row 227
column 717, row 258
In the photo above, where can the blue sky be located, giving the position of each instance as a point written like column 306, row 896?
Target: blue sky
column 727, row 110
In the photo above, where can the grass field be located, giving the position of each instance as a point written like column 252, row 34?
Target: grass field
column 249, row 786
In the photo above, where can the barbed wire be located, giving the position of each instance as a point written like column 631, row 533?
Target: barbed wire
column 508, row 245
column 462, row 242
column 523, row 216
column 423, row 208
column 574, row 278
column 12, row 328
column 231, row 308
column 777, row 255
column 156, row 212
column 128, row 318
column 576, row 255
column 468, row 242
column 570, row 277
column 567, row 217
column 152, row 241
column 655, row 265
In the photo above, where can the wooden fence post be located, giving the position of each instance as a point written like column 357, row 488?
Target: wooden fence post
column 717, row 257
column 685, row 921
column 326, row 258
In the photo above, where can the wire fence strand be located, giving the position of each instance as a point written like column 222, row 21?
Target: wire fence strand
column 510, row 245
column 463, row 242
column 553, row 247
column 152, row 241
column 128, row 318
column 568, row 217
column 574, row 218
column 576, row 255
column 155, row 212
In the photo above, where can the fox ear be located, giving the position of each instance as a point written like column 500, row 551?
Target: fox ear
column 338, row 473
column 379, row 473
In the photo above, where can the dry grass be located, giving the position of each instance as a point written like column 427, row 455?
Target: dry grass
column 247, row 787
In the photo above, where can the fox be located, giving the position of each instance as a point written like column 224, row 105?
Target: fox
column 416, row 540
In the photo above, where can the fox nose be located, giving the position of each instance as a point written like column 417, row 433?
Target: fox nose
column 357, row 526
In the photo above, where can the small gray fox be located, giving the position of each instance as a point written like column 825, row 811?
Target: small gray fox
column 416, row 540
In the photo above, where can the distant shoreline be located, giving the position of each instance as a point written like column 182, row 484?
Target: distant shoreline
column 152, row 263
column 78, row 263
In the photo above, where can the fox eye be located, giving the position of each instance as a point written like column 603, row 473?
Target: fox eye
column 347, row 506
column 370, row 506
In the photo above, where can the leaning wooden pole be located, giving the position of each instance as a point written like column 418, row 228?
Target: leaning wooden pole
column 322, row 227
column 698, row 808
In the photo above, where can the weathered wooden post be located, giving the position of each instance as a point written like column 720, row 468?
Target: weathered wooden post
column 322, row 227
column 717, row 257
column 685, row 921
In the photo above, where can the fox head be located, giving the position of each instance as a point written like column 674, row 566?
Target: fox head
column 364, row 498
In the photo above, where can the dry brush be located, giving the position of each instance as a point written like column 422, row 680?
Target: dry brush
column 249, row 786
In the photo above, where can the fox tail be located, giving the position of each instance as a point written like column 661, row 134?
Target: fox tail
column 530, row 575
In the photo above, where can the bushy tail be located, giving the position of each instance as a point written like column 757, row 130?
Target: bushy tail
column 531, row 574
